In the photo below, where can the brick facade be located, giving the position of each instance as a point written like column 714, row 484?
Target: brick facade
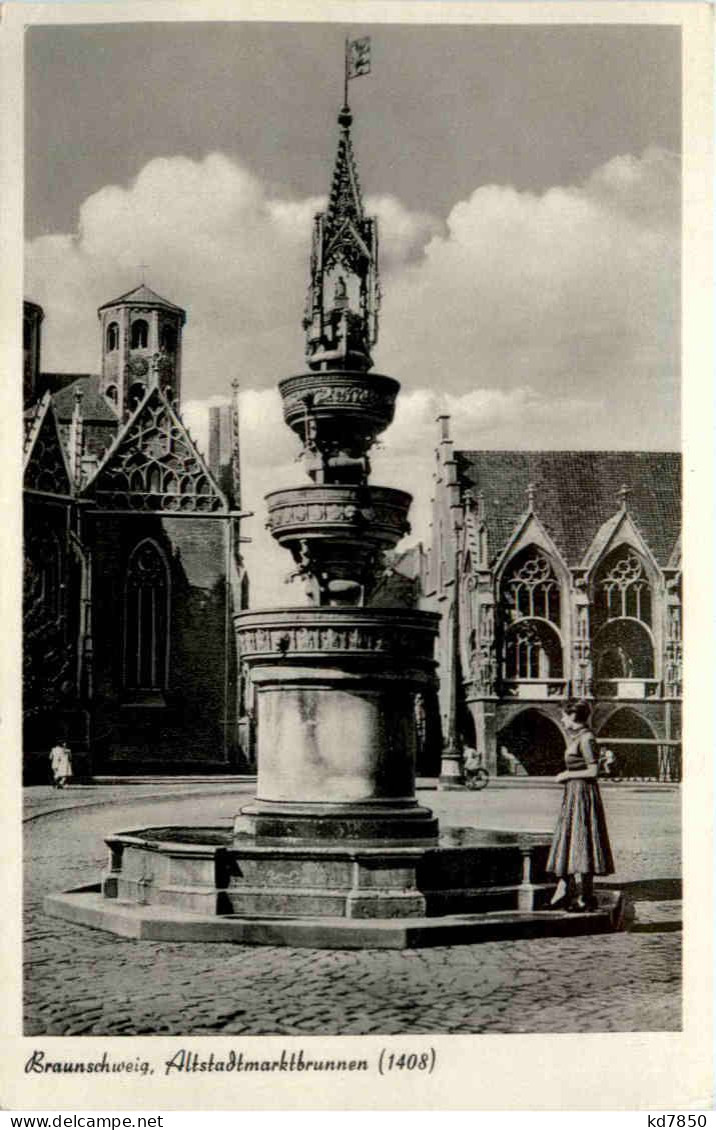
column 132, row 574
column 558, row 575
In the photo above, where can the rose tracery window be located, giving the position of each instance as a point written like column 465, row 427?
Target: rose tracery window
column 622, row 618
column 531, row 615
column 622, row 589
column 531, row 590
column 146, row 619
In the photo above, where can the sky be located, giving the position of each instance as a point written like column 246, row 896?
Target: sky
column 527, row 185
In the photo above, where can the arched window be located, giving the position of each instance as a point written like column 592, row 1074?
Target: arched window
column 621, row 620
column 112, row 337
column 111, row 393
column 530, row 589
column 43, row 579
column 146, row 619
column 532, row 651
column 168, row 340
column 140, row 334
column 622, row 589
column 154, row 479
column 531, row 613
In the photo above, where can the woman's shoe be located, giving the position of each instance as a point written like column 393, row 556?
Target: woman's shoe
column 561, row 903
column 582, row 905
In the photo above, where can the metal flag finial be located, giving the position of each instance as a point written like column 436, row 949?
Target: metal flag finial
column 357, row 62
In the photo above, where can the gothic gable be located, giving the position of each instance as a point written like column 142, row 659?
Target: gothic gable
column 530, row 531
column 620, row 529
column 153, row 465
column 45, row 468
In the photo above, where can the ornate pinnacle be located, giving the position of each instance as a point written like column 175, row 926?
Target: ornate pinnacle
column 341, row 319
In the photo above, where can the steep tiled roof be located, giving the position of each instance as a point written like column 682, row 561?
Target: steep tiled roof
column 95, row 407
column 575, row 493
column 143, row 296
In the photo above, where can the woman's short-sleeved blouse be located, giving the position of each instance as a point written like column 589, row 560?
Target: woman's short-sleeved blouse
column 581, row 752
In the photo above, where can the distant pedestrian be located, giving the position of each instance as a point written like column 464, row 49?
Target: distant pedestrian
column 608, row 763
column 61, row 763
column 580, row 845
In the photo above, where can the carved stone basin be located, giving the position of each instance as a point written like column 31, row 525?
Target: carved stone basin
column 360, row 638
column 346, row 409
column 338, row 533
column 378, row 513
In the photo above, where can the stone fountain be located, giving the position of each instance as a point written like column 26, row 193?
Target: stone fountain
column 335, row 849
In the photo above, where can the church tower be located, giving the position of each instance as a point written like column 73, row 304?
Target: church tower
column 141, row 348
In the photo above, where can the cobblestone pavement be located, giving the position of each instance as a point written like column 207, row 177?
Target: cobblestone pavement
column 81, row 981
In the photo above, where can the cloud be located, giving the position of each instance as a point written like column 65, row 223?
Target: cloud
column 536, row 320
column 405, row 457
column 572, row 292
column 213, row 241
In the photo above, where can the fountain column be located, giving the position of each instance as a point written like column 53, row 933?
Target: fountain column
column 336, row 679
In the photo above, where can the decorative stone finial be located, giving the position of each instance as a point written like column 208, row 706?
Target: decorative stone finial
column 341, row 318
column 531, row 495
column 623, row 493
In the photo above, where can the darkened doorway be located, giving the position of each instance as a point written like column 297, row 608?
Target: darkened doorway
column 533, row 742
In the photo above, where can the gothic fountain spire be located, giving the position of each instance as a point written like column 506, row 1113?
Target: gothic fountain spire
column 341, row 319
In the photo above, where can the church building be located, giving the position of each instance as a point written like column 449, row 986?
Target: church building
column 132, row 556
column 558, row 575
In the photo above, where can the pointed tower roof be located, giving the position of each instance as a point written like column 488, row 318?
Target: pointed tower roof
column 345, row 200
column 143, row 295
column 341, row 319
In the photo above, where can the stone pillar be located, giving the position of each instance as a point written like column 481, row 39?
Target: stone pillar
column 582, row 676
column 336, row 728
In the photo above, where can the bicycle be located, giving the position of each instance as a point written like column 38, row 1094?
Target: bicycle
column 477, row 779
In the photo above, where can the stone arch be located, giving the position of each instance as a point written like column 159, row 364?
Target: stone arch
column 632, row 735
column 531, row 743
column 533, row 614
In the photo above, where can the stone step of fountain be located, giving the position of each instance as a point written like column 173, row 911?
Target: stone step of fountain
column 87, row 907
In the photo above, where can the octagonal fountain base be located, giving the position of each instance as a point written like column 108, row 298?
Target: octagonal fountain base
column 207, row 884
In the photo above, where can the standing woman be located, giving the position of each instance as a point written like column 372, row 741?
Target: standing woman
column 580, row 846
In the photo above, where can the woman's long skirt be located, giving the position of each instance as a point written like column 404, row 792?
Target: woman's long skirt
column 580, row 845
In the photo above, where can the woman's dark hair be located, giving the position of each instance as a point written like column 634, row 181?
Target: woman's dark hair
column 580, row 711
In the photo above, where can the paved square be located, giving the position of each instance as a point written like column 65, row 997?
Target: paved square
column 81, row 981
